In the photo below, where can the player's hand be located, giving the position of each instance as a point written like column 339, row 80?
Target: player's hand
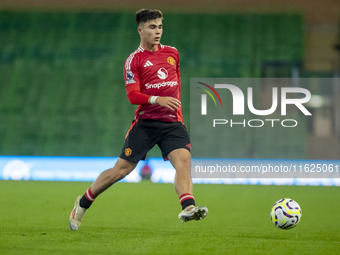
column 169, row 102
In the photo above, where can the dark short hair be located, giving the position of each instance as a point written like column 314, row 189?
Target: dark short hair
column 144, row 15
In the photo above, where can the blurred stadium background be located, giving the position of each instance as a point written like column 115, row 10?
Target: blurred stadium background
column 64, row 115
column 61, row 63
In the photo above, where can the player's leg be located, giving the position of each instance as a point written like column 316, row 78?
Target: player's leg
column 180, row 159
column 138, row 142
column 106, row 179
column 175, row 146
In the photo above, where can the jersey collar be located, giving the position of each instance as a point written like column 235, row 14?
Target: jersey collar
column 160, row 46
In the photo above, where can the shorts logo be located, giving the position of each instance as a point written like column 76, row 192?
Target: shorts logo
column 128, row 152
column 171, row 60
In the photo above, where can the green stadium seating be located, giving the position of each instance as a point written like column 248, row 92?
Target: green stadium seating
column 62, row 89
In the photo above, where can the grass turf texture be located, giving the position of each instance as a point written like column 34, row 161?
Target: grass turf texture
column 142, row 219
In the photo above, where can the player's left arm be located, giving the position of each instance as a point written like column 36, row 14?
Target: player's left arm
column 168, row 102
column 137, row 97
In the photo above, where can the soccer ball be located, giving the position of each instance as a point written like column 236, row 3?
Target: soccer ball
column 285, row 213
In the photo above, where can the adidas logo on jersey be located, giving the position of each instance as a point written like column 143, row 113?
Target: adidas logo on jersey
column 148, row 63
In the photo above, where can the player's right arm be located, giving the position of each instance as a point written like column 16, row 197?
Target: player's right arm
column 135, row 96
column 132, row 83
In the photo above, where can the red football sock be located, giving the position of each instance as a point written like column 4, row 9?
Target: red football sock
column 186, row 199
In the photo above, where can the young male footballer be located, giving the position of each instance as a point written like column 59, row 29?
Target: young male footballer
column 152, row 81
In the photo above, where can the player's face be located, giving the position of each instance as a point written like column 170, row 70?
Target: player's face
column 151, row 32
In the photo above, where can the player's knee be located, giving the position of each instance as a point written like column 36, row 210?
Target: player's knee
column 123, row 168
column 119, row 172
column 121, row 175
column 123, row 172
column 185, row 163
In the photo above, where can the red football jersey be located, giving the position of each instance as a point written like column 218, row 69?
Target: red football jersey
column 156, row 74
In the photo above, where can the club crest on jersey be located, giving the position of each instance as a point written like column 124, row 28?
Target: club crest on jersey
column 171, row 60
column 162, row 73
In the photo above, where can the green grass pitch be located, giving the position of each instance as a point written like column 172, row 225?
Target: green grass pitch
column 142, row 219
